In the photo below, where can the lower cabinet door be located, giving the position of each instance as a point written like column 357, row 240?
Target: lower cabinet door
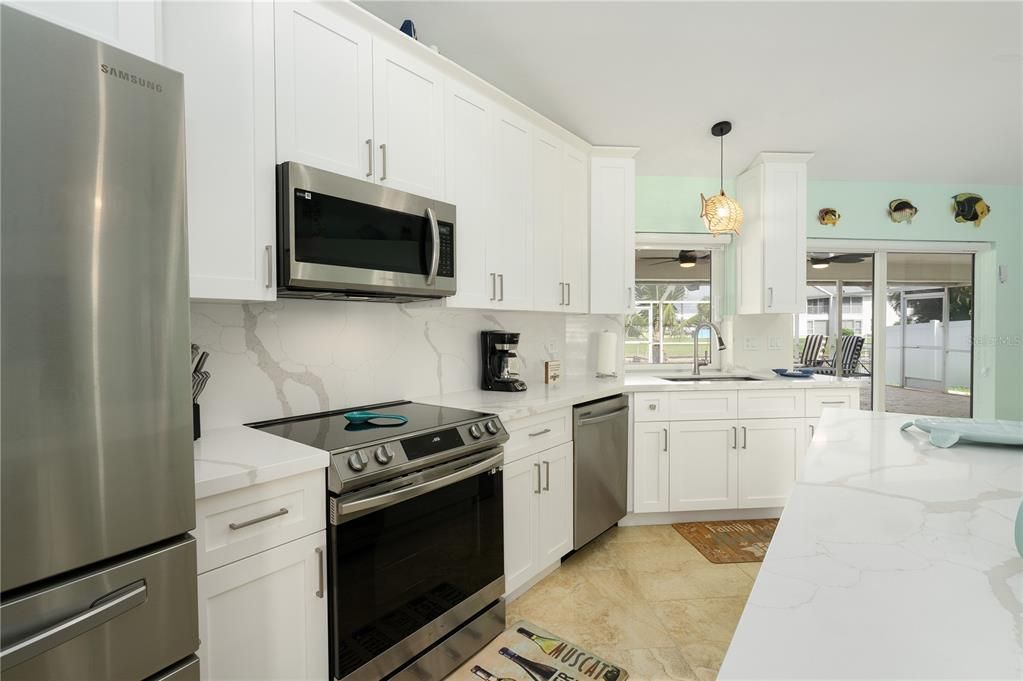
column 556, row 504
column 769, row 451
column 522, row 490
column 702, row 465
column 650, row 467
column 265, row 617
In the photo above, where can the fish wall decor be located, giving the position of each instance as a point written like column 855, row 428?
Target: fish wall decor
column 970, row 208
column 901, row 210
column 828, row 217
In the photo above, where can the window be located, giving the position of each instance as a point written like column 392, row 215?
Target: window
column 673, row 296
column 852, row 304
column 818, row 305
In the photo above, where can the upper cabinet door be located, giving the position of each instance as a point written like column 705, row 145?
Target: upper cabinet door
column 549, row 292
column 324, row 90
column 575, row 231
column 408, row 121
column 229, row 128
column 612, row 231
column 510, row 242
column 470, row 171
column 127, row 24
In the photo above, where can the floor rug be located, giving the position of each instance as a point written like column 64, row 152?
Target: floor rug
column 730, row 541
column 525, row 652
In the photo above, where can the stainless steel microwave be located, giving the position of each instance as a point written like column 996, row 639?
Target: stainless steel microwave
column 339, row 238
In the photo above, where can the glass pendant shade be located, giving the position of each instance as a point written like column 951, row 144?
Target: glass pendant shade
column 721, row 214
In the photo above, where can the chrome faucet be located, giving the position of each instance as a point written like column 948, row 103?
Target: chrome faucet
column 696, row 343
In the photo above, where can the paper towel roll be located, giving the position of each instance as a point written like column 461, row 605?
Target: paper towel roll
column 607, row 354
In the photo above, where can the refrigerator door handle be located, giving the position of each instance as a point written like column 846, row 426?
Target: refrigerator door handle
column 101, row 611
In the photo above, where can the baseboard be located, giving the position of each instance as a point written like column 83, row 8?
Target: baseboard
column 509, row 597
column 636, row 519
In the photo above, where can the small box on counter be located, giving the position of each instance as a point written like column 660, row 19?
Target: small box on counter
column 552, row 371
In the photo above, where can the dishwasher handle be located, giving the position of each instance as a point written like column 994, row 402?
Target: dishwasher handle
column 603, row 417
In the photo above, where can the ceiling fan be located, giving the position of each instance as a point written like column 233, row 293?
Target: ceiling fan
column 684, row 258
column 819, row 261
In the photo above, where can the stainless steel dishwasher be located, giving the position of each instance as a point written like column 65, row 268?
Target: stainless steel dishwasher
column 600, row 431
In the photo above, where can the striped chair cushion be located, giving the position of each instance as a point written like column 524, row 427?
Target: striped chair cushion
column 812, row 349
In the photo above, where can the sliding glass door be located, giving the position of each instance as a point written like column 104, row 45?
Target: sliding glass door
column 928, row 334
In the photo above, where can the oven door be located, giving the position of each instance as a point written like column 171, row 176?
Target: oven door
column 340, row 234
column 411, row 560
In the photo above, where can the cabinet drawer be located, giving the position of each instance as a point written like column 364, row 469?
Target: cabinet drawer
column 651, row 406
column 703, row 405
column 818, row 400
column 262, row 516
column 537, row 433
column 771, row 404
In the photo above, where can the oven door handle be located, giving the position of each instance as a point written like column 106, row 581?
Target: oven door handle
column 435, row 239
column 405, row 493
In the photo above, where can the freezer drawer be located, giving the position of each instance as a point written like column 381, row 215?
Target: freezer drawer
column 186, row 670
column 128, row 621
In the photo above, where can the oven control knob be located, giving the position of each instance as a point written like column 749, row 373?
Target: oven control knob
column 475, row 431
column 357, row 461
column 382, row 455
column 492, row 427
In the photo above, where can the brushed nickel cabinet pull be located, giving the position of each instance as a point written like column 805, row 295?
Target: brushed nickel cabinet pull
column 500, row 279
column 665, row 439
column 383, row 162
column 369, row 148
column 547, row 479
column 269, row 250
column 735, row 438
column 537, row 490
column 260, row 519
column 319, row 561
column 744, row 437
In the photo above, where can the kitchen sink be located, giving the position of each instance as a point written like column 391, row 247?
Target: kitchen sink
column 700, row 379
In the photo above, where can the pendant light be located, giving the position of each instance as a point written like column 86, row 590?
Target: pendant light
column 720, row 213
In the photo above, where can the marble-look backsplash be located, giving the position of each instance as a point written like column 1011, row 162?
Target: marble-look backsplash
column 269, row 360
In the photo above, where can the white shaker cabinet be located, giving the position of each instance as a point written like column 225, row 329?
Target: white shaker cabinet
column 549, row 292
column 324, row 90
column 538, row 513
column 225, row 51
column 770, row 253
column 510, row 243
column 264, row 618
column 769, row 452
column 408, row 121
column 703, row 466
column 556, row 510
column 575, row 228
column 612, row 229
column 127, row 24
column 469, row 186
column 521, row 529
column 650, row 466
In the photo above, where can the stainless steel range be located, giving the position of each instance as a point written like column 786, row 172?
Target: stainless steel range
column 415, row 537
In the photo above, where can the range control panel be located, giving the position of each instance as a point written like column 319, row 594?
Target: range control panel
column 386, row 460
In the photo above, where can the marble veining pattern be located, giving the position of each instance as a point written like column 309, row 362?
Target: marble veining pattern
column 892, row 559
column 270, row 360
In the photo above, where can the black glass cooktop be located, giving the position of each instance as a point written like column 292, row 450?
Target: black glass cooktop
column 331, row 431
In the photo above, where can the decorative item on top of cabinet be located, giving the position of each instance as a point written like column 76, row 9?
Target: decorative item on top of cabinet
column 968, row 207
column 612, row 229
column 828, row 217
column 901, row 210
column 408, row 27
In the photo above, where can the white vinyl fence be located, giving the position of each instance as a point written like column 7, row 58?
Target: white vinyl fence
column 924, row 363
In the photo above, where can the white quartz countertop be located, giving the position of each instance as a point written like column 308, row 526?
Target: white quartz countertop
column 231, row 458
column 534, row 400
column 642, row 382
column 893, row 559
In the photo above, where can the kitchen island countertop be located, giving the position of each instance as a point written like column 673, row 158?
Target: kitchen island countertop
column 893, row 559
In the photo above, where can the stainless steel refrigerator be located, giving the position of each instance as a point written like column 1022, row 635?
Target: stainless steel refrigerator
column 97, row 571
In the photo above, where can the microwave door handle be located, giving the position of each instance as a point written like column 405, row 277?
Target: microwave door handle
column 435, row 248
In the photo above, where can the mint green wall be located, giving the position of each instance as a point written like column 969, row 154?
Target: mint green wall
column 672, row 204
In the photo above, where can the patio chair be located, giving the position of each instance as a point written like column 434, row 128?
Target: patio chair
column 810, row 356
column 849, row 350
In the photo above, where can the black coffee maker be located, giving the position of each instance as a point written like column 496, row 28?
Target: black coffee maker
column 500, row 362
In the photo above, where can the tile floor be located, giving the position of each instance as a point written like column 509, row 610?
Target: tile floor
column 643, row 598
